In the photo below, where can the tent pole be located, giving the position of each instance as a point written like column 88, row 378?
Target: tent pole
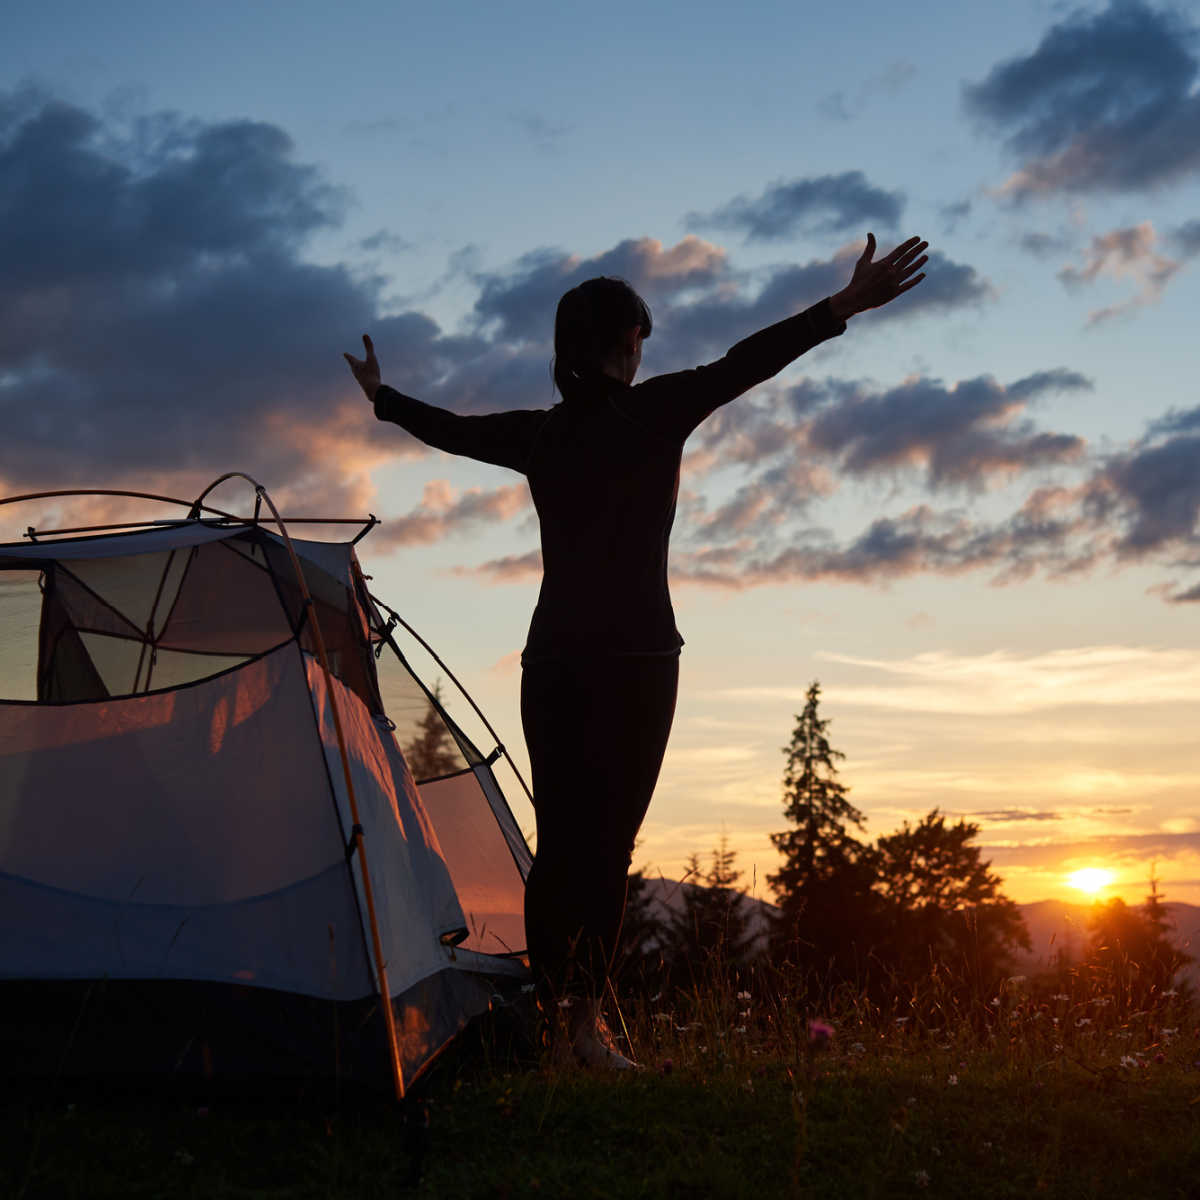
column 385, row 995
column 454, row 680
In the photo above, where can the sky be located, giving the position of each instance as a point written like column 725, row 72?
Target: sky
column 972, row 518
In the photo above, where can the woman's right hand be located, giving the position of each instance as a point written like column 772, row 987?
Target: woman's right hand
column 366, row 370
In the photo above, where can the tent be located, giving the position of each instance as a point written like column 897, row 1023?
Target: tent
column 215, row 860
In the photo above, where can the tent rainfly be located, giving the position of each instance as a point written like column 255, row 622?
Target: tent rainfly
column 214, row 857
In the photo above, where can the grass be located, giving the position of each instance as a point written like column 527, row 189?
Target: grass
column 742, row 1095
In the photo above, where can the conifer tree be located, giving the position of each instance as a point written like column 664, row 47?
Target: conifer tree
column 639, row 957
column 432, row 752
column 824, row 885
column 711, row 929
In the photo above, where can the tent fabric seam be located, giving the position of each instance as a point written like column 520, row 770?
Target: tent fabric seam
column 331, row 791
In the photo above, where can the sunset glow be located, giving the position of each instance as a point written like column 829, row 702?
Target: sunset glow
column 1092, row 880
column 970, row 517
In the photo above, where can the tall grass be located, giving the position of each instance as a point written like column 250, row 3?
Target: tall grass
column 757, row 1082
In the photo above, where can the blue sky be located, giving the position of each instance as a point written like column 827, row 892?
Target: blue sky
column 972, row 517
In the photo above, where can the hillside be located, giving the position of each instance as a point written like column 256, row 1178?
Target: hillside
column 1054, row 925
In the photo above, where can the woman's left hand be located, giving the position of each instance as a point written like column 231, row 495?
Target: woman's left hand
column 874, row 284
column 366, row 370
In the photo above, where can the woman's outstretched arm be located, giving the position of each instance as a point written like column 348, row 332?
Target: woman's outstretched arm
column 676, row 404
column 504, row 438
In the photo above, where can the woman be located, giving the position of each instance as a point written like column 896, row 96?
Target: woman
column 601, row 663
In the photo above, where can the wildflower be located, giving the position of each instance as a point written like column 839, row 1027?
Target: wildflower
column 1060, row 996
column 952, row 1080
column 911, row 1102
column 921, row 1178
column 1082, row 1022
column 995, row 1001
column 740, row 1029
column 1102, row 1001
column 1170, row 992
column 902, row 1020
column 819, row 1032
column 1127, row 1060
column 743, row 996
column 1170, row 1033
column 744, row 1014
column 566, row 1002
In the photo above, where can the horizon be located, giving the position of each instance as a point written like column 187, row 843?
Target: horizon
column 972, row 517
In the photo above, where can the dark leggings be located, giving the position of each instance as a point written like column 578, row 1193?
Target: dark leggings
column 596, row 731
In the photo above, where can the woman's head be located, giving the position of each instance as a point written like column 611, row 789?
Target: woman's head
column 593, row 324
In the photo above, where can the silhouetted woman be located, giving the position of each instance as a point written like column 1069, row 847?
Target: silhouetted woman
column 601, row 662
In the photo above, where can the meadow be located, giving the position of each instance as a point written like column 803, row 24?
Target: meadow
column 748, row 1089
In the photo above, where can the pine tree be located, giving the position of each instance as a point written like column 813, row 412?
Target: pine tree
column 711, row 929
column 824, row 885
column 1165, row 959
column 432, row 752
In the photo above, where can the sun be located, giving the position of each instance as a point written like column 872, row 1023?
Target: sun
column 1090, row 879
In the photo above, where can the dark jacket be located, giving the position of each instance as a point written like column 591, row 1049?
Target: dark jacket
column 603, row 468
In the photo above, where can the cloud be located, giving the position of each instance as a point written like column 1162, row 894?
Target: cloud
column 997, row 816
column 1147, row 847
column 1137, row 504
column 444, row 512
column 960, row 435
column 955, row 213
column 1186, row 239
column 1124, row 254
column 1107, row 101
column 1155, row 490
column 1043, row 245
column 778, row 495
column 820, row 204
column 384, row 242
column 513, row 568
column 1003, row 682
column 888, row 82
column 158, row 322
